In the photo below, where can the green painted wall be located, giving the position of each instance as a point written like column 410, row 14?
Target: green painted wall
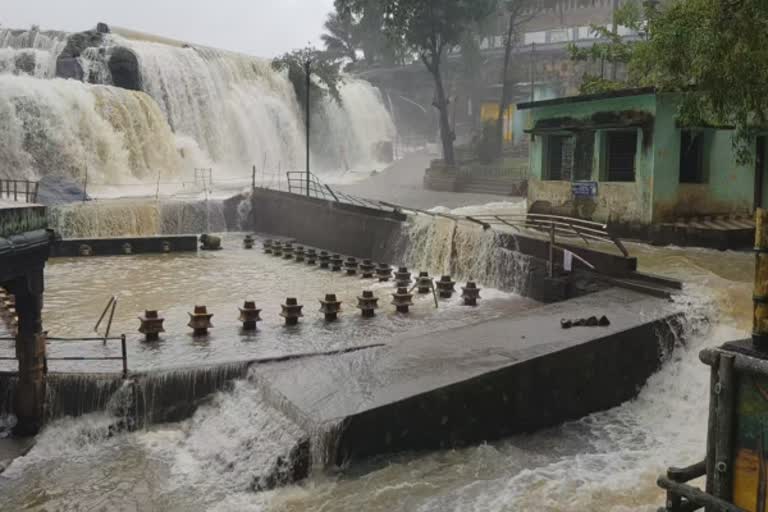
column 727, row 188
column 615, row 201
column 657, row 194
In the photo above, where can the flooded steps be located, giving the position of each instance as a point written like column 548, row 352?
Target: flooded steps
column 479, row 382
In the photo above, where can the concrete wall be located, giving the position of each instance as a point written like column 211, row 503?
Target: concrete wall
column 729, row 187
column 338, row 227
column 615, row 202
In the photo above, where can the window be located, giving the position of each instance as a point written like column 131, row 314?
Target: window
column 691, row 157
column 584, row 155
column 621, row 147
column 558, row 158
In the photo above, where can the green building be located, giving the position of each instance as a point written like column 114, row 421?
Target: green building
column 623, row 159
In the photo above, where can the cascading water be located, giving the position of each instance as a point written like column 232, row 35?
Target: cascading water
column 63, row 127
column 211, row 108
column 443, row 246
column 348, row 132
column 137, row 217
column 30, row 52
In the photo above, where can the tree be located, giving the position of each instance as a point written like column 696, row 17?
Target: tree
column 339, row 39
column 611, row 48
column 713, row 54
column 428, row 28
column 367, row 18
column 518, row 12
column 325, row 70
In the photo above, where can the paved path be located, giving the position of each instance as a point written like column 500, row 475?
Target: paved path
column 402, row 184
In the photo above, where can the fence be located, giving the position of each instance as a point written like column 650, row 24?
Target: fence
column 123, row 352
column 298, row 184
column 487, row 171
column 23, row 191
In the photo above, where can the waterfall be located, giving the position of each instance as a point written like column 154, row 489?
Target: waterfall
column 63, row 127
column 236, row 107
column 202, row 107
column 30, row 52
column 347, row 136
column 136, row 217
column 443, row 246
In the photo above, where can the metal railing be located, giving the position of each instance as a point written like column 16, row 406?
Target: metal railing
column 489, row 171
column 297, row 184
column 556, row 225
column 22, row 191
column 123, row 352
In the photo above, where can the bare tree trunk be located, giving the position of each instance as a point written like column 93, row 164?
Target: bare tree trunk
column 504, row 102
column 441, row 103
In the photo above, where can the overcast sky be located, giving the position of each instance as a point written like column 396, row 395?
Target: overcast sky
column 258, row 27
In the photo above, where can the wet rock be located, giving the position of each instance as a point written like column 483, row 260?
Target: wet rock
column 286, row 470
column 67, row 65
column 124, row 67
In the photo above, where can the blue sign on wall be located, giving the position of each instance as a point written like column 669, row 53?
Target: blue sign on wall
column 584, row 188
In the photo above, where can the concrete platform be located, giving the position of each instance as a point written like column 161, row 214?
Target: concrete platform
column 479, row 382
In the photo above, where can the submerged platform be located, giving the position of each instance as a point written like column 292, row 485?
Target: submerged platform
column 72, row 247
column 478, row 382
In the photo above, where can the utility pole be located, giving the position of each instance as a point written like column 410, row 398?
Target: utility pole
column 615, row 30
column 307, row 71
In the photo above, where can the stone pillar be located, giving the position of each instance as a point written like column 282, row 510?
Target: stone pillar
column 29, row 402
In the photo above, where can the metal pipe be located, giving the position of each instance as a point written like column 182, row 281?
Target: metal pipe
column 103, row 313
column 697, row 496
column 109, row 323
column 725, row 420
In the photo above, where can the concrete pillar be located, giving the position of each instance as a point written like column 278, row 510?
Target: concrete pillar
column 29, row 402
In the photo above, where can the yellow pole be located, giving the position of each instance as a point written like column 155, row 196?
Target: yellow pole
column 760, row 309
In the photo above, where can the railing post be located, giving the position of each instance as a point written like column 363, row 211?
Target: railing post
column 125, row 356
column 552, row 249
column 15, row 190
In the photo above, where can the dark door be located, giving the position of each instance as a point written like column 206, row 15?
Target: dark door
column 759, row 171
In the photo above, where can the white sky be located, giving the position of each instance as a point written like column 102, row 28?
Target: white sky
column 263, row 28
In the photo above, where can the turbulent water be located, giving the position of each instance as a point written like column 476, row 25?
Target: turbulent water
column 64, row 127
column 30, row 52
column 137, row 218
column 198, row 108
column 607, row 461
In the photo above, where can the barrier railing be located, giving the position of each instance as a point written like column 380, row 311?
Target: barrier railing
column 297, row 184
column 22, row 191
column 557, row 225
column 487, row 171
column 123, row 352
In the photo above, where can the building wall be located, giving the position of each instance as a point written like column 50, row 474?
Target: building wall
column 728, row 187
column 619, row 202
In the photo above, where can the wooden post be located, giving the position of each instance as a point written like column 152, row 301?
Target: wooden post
column 253, row 178
column 760, row 308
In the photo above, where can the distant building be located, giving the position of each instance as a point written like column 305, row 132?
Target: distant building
column 621, row 158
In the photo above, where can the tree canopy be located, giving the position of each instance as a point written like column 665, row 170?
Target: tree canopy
column 325, row 72
column 712, row 53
